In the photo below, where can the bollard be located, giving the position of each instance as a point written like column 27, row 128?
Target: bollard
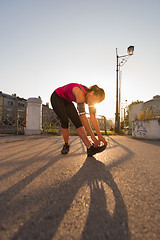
column 34, row 116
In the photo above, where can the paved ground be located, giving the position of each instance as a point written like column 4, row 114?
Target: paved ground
column 45, row 195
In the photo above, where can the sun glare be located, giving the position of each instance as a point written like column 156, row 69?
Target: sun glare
column 101, row 109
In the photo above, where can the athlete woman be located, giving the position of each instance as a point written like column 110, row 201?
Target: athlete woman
column 62, row 102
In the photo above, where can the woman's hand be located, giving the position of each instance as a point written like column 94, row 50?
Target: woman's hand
column 96, row 142
column 102, row 139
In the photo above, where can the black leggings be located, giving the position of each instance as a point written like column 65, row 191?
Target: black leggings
column 65, row 111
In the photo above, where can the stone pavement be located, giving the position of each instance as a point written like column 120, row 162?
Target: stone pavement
column 46, row 195
column 9, row 138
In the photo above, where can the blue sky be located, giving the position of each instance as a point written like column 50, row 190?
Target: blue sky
column 45, row 44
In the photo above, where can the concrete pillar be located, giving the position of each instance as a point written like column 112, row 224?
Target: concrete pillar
column 34, row 116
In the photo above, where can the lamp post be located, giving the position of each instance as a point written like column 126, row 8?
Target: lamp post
column 121, row 60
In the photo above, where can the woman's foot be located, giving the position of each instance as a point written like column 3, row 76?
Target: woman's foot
column 93, row 150
column 65, row 148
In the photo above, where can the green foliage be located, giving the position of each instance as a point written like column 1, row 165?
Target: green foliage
column 126, row 120
column 111, row 133
column 147, row 114
column 102, row 132
column 52, row 131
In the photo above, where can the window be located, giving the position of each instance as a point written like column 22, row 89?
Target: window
column 10, row 103
column 20, row 104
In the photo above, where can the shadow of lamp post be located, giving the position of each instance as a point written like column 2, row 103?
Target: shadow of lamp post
column 121, row 60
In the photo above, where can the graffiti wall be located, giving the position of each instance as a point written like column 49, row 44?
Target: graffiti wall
column 147, row 129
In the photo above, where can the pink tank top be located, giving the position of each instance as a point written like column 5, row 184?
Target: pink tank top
column 66, row 91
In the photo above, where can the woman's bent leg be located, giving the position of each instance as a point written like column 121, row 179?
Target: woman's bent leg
column 74, row 117
column 65, row 132
column 59, row 107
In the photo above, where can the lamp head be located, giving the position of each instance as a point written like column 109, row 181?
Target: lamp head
column 130, row 50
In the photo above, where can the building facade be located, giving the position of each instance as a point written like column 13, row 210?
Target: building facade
column 151, row 107
column 153, row 104
column 12, row 113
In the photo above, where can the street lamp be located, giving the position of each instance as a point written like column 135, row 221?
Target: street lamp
column 121, row 60
column 130, row 50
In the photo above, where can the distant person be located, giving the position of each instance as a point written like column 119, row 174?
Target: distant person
column 61, row 100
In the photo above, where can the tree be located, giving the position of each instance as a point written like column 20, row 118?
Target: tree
column 126, row 119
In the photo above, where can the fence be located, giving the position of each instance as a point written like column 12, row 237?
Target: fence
column 13, row 120
column 101, row 122
column 50, row 121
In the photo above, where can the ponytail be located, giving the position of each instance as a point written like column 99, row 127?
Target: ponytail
column 97, row 91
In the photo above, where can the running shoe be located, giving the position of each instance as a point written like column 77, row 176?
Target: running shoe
column 65, row 148
column 93, row 150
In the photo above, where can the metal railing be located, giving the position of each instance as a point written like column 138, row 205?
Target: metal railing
column 50, row 121
column 101, row 122
column 13, row 120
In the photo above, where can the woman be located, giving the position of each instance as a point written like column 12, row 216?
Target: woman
column 61, row 100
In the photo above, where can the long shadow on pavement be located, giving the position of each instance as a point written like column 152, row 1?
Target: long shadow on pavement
column 100, row 224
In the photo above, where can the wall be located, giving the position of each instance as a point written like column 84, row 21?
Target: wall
column 134, row 111
column 153, row 103
column 147, row 129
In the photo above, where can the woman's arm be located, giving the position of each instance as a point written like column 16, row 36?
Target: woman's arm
column 80, row 99
column 88, row 128
column 96, row 127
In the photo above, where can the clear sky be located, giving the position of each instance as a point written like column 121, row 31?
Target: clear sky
column 48, row 43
